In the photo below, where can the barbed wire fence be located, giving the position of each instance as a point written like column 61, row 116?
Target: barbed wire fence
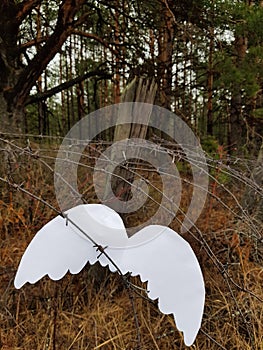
column 27, row 172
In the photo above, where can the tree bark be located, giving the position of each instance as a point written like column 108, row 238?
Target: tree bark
column 139, row 90
column 26, row 80
column 236, row 127
column 165, row 59
column 17, row 80
column 210, row 81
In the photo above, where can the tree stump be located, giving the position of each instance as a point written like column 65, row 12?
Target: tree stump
column 139, row 90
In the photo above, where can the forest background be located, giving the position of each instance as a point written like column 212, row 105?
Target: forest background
column 61, row 60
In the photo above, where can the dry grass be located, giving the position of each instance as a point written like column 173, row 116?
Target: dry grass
column 79, row 313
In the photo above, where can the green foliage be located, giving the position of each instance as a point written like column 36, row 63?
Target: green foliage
column 32, row 119
column 210, row 145
column 247, row 22
column 258, row 113
column 201, row 54
column 215, row 153
column 201, row 49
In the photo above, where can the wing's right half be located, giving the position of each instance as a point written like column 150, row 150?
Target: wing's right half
column 164, row 259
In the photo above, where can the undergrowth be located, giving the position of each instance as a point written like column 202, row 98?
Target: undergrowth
column 84, row 312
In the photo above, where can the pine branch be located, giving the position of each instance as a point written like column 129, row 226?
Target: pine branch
column 96, row 38
column 19, row 94
column 46, row 94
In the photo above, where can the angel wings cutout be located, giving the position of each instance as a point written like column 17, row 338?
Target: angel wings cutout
column 156, row 253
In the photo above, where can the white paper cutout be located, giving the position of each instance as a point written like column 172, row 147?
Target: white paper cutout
column 156, row 253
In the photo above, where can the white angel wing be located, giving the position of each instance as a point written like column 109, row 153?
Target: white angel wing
column 56, row 248
column 174, row 276
column 156, row 253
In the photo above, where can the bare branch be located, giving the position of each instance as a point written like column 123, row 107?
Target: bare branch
column 18, row 95
column 33, row 42
column 96, row 38
column 43, row 96
column 24, row 9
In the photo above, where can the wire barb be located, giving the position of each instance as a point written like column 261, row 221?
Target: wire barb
column 101, row 249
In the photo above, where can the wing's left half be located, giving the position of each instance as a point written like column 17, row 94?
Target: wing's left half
column 54, row 250
column 58, row 248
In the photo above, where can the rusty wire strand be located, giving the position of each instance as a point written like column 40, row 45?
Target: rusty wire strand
column 221, row 267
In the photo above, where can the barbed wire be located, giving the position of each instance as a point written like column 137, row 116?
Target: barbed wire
column 13, row 152
column 36, row 156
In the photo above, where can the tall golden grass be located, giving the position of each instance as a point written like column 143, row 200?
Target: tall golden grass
column 82, row 312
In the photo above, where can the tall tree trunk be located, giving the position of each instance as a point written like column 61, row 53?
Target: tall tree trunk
column 236, row 127
column 165, row 59
column 17, row 80
column 117, row 89
column 9, row 64
column 210, row 84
